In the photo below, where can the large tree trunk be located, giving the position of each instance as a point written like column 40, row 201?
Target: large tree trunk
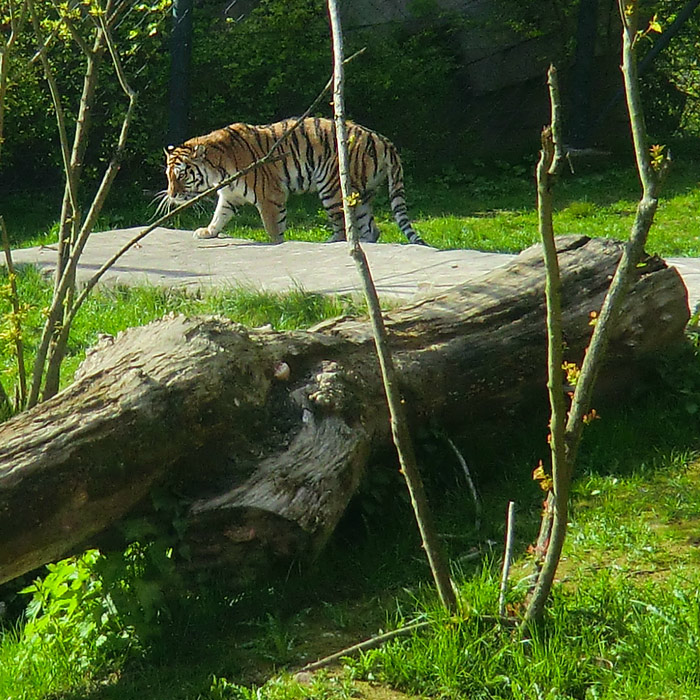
column 268, row 463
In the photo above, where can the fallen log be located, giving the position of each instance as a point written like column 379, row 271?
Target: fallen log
column 266, row 434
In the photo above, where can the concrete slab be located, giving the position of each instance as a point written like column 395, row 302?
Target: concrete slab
column 173, row 258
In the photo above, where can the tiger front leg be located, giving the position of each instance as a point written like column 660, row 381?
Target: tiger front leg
column 222, row 215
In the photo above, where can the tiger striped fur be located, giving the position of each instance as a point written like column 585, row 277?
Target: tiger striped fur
column 309, row 162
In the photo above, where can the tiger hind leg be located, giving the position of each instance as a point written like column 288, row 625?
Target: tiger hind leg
column 274, row 218
column 366, row 225
column 368, row 231
column 337, row 221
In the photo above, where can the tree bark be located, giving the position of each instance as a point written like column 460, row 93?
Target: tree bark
column 267, row 464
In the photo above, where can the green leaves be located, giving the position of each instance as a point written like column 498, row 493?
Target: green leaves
column 70, row 610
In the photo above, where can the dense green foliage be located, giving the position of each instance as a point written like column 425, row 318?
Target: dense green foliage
column 411, row 83
column 31, row 155
column 673, row 85
column 274, row 62
column 269, row 65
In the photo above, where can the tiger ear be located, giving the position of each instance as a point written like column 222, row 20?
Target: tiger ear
column 199, row 150
column 168, row 150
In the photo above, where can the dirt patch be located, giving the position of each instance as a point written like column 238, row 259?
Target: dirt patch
column 379, row 692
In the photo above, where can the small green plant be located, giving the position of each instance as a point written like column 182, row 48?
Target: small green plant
column 70, row 604
column 319, row 687
column 222, row 689
column 72, row 631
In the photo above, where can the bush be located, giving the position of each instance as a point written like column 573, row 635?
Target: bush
column 267, row 66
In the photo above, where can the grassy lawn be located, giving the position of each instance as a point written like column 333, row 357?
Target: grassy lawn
column 489, row 211
column 624, row 621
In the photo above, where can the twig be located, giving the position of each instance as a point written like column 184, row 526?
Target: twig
column 16, row 25
column 78, row 242
column 507, row 559
column 555, row 515
column 269, row 157
column 399, row 423
column 371, row 643
column 70, row 199
column 556, row 122
column 374, row 642
column 478, row 508
column 651, row 175
column 16, row 320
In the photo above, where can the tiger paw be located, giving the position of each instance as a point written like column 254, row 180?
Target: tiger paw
column 204, row 233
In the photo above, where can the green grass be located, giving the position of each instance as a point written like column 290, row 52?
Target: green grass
column 624, row 620
column 111, row 310
column 625, row 616
column 607, row 638
column 482, row 210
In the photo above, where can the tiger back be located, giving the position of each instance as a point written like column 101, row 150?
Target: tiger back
column 306, row 161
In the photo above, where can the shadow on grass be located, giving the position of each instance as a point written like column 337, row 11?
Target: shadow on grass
column 373, row 571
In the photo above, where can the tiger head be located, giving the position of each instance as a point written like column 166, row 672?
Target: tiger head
column 187, row 171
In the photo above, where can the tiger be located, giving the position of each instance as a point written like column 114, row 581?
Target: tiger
column 307, row 161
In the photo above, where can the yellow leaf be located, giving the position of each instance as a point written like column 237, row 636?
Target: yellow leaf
column 573, row 371
column 538, row 474
column 591, row 416
column 655, row 25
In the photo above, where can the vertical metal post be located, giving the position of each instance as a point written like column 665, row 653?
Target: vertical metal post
column 180, row 56
column 583, row 73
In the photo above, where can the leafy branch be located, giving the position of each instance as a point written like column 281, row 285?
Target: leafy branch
column 566, row 430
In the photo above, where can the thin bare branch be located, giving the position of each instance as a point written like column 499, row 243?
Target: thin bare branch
column 57, row 306
column 57, row 103
column 565, row 448
column 371, row 643
column 554, row 518
column 60, row 342
column 45, row 45
column 75, row 34
column 478, row 507
column 507, row 559
column 634, row 250
column 399, row 422
column 6, row 48
column 556, row 121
